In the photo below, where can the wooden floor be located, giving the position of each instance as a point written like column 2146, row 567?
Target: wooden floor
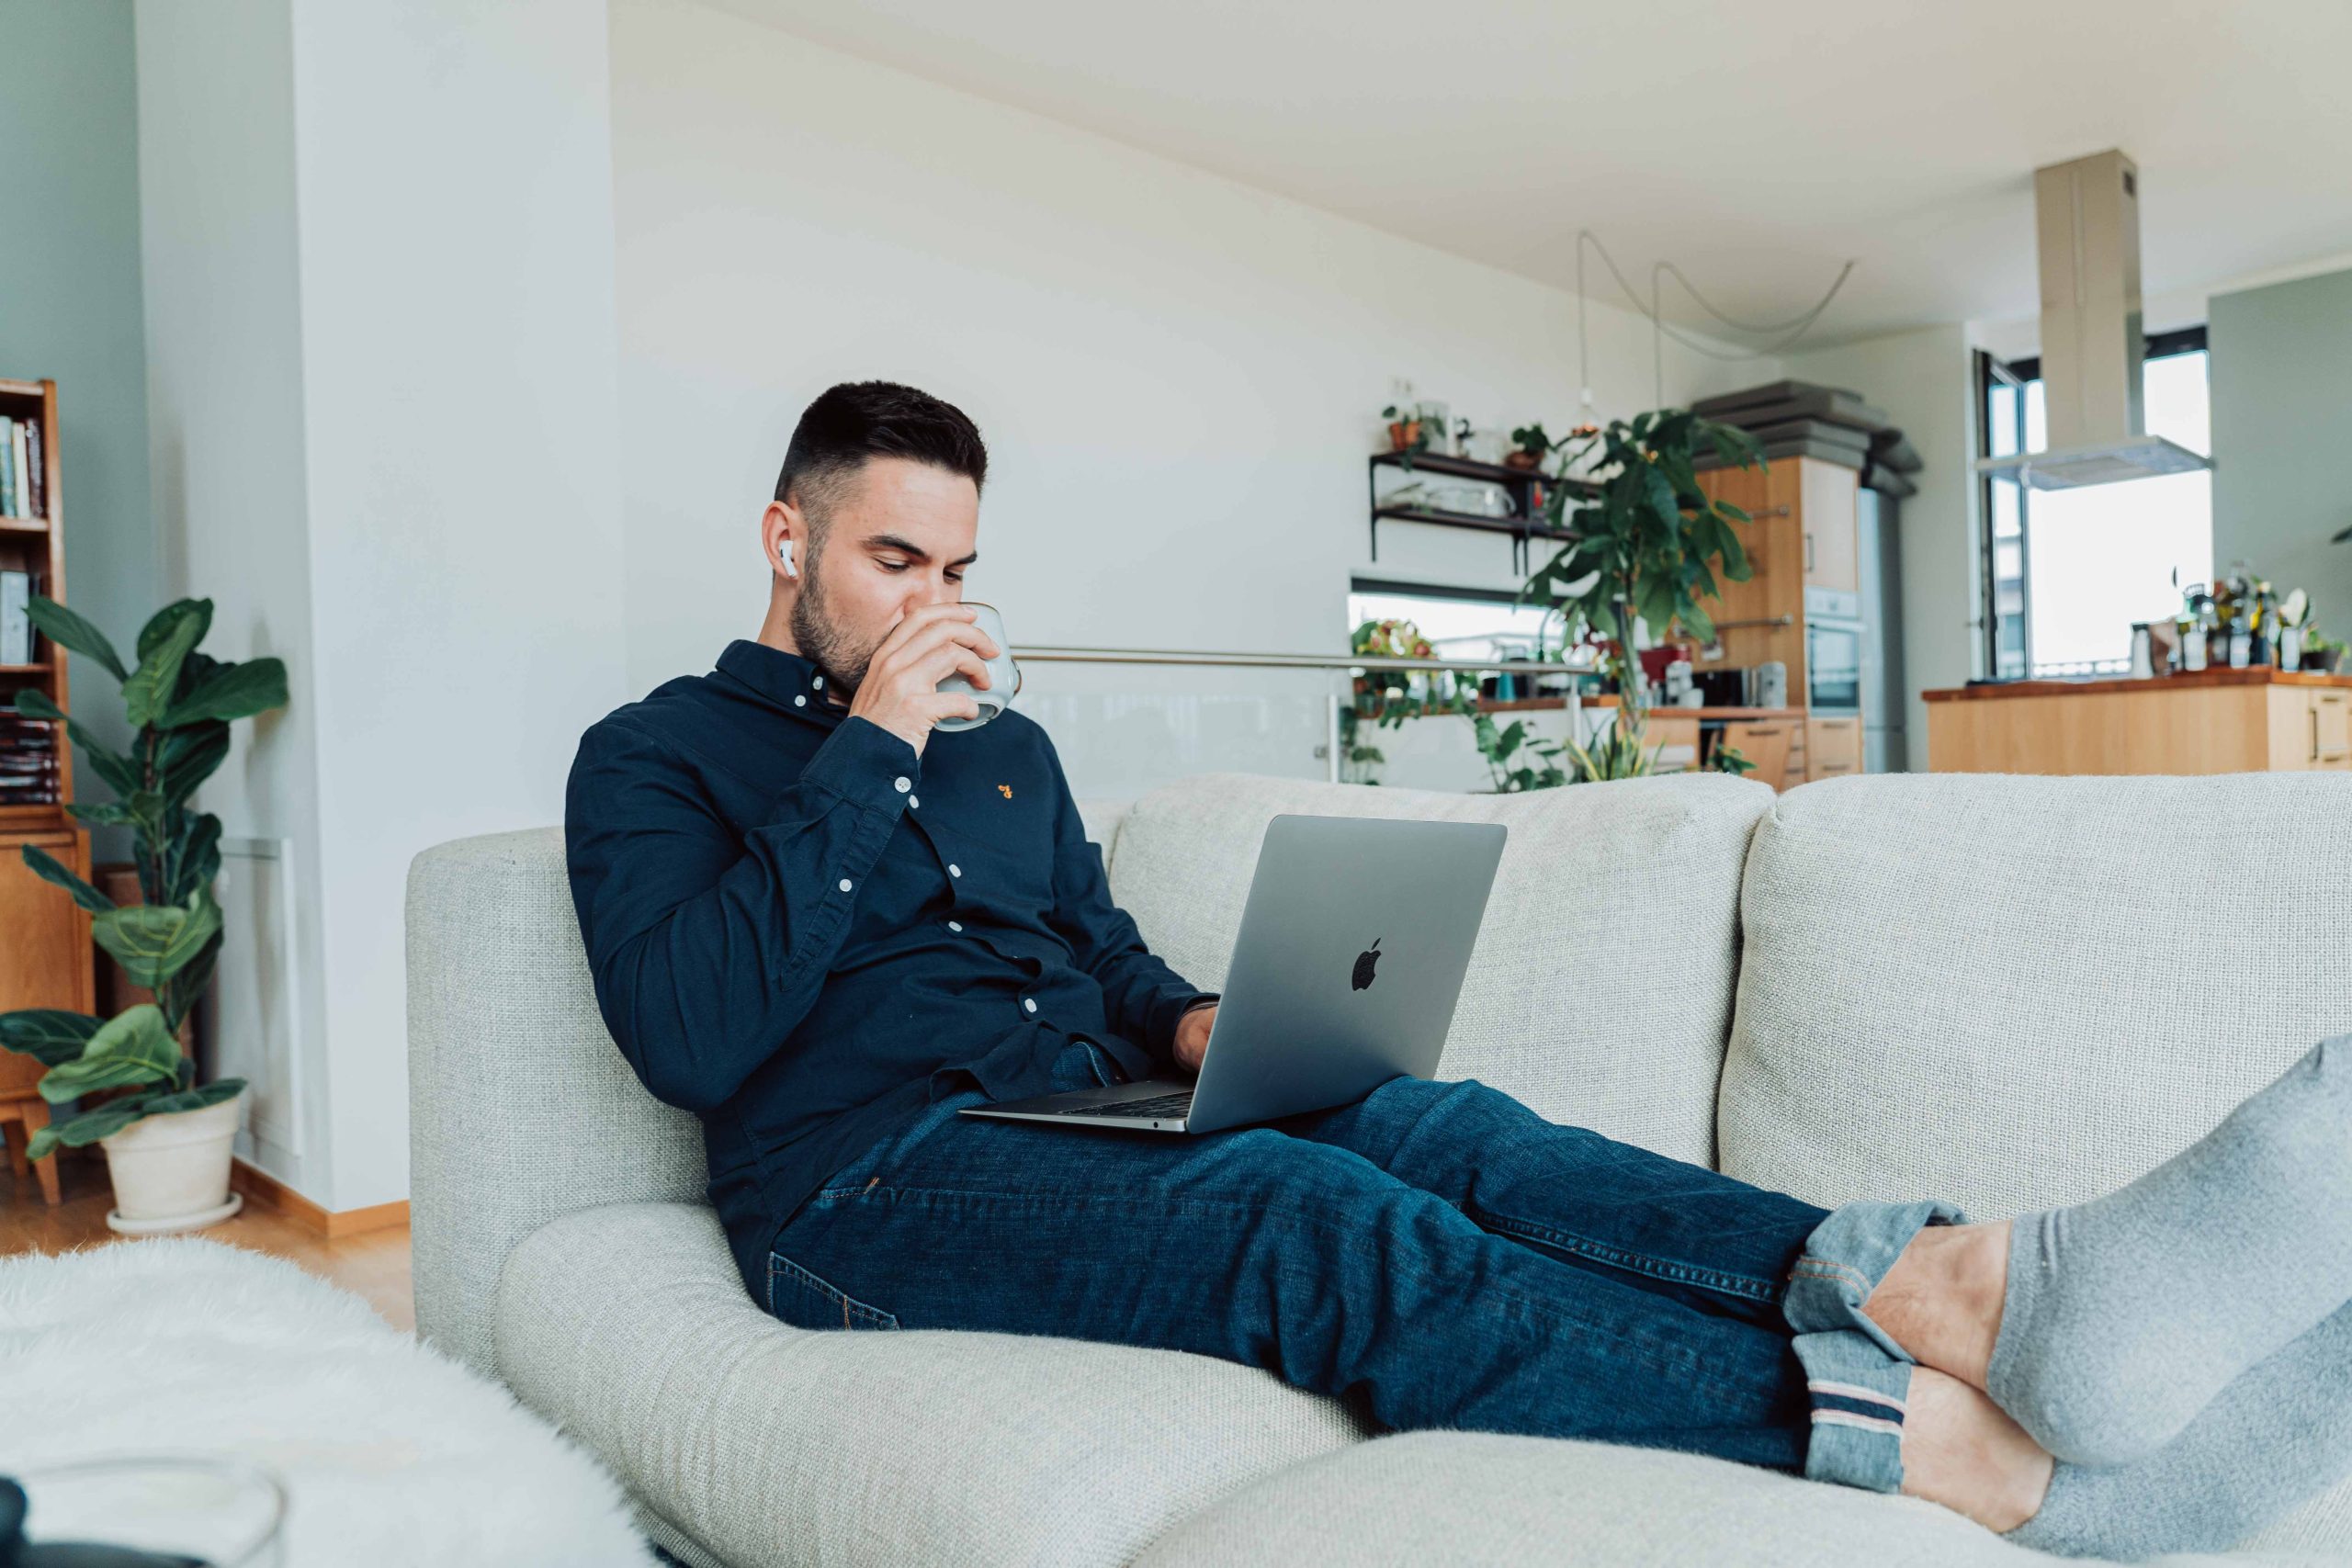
column 373, row 1265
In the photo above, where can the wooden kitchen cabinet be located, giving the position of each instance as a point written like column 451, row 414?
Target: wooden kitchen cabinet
column 1826, row 500
column 2215, row 721
column 1833, row 747
column 2311, row 729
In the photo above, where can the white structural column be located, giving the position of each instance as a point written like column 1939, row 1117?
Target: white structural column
column 379, row 233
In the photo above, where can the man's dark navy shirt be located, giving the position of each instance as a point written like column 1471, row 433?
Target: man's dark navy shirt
column 804, row 933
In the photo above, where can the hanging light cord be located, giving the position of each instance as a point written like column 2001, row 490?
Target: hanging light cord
column 1794, row 328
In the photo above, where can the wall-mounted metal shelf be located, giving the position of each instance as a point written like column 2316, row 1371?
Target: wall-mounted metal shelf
column 1526, row 488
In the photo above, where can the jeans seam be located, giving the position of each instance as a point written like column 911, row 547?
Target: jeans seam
column 1743, row 1285
column 850, row 1306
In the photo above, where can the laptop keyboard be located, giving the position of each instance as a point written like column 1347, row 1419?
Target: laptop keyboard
column 1158, row 1106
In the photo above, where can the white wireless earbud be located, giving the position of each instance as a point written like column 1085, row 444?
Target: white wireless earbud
column 784, row 556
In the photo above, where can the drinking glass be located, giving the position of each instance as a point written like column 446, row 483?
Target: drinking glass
column 1004, row 675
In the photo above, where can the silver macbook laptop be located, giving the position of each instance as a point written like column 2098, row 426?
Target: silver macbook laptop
column 1350, row 959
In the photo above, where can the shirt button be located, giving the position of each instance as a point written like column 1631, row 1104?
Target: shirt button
column 954, row 925
column 1029, row 1004
column 913, row 800
column 954, row 870
column 845, row 884
column 800, row 701
column 902, row 783
column 819, row 682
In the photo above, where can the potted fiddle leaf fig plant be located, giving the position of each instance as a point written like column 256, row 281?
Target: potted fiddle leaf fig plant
column 166, row 1137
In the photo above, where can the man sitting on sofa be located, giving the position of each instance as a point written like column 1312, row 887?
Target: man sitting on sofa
column 824, row 929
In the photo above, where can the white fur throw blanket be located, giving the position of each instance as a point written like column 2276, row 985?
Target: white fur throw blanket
column 390, row 1452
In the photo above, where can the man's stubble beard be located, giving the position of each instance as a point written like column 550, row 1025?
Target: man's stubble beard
column 822, row 641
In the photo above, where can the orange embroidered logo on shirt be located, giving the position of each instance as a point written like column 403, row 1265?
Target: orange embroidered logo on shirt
column 1005, row 790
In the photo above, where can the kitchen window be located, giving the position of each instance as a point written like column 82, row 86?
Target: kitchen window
column 2067, row 572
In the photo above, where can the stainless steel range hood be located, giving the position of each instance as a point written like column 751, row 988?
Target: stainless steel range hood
column 2086, row 215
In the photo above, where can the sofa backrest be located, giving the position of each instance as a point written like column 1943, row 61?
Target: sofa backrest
column 2015, row 993
column 1600, row 989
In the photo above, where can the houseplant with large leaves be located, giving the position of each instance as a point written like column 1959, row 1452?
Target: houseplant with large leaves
column 1649, row 544
column 180, row 703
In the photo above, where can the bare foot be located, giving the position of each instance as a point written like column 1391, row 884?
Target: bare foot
column 1961, row 1450
column 1942, row 1299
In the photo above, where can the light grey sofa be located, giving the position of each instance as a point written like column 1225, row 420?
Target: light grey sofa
column 2009, row 992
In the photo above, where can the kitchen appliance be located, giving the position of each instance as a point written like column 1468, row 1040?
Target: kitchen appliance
column 1834, row 635
column 2087, row 218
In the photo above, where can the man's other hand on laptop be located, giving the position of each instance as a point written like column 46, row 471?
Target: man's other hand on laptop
column 1192, row 1036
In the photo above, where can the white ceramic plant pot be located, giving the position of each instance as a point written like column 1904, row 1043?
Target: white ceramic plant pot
column 171, row 1173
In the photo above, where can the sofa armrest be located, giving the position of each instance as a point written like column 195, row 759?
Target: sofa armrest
column 628, row 1326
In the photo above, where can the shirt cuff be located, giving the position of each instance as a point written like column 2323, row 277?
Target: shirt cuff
column 866, row 765
column 1161, row 1031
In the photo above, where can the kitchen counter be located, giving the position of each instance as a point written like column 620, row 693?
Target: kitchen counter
column 2211, row 721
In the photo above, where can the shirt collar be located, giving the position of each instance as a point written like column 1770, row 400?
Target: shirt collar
column 790, row 682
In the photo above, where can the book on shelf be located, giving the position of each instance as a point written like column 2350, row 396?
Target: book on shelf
column 16, row 618
column 28, row 760
column 24, row 481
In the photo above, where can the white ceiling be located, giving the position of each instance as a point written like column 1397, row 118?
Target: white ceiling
column 1758, row 146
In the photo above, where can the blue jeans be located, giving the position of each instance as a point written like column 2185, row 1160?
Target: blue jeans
column 1436, row 1253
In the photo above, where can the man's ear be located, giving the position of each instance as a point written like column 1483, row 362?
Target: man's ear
column 784, row 533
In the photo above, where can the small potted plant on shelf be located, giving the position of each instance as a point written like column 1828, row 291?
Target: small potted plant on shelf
column 167, row 1138
column 1529, row 447
column 1406, row 431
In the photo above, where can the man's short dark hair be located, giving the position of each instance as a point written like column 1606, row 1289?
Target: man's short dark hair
column 858, row 420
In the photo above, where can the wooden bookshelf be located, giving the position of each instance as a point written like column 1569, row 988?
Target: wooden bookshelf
column 46, row 959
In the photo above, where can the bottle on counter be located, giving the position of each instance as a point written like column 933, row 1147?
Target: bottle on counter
column 2196, row 630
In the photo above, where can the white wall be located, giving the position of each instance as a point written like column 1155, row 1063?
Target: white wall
column 1924, row 381
column 1178, row 377
column 2282, row 372
column 381, row 314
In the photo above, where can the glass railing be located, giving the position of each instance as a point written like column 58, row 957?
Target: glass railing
column 1128, row 720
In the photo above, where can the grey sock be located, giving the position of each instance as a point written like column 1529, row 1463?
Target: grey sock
column 2126, row 1315
column 2279, row 1432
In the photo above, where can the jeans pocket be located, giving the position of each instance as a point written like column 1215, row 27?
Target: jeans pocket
column 802, row 1299
column 1107, row 1072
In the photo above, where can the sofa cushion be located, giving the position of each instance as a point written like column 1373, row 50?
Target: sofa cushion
column 2016, row 992
column 1467, row 1498
column 628, row 1326
column 1601, row 990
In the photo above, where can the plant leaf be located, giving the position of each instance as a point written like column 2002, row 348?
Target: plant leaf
column 49, row 869
column 77, row 1131
column 151, row 684
column 195, row 1098
column 193, row 859
column 132, row 1047
column 189, row 756
column 164, row 623
column 152, row 942
column 66, row 629
column 232, row 692
column 49, row 1035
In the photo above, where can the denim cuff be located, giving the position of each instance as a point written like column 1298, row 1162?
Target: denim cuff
column 1857, row 1377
